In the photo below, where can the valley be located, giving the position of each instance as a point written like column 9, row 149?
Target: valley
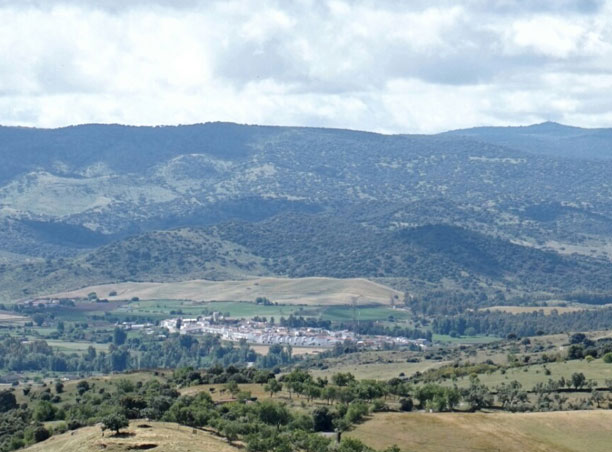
column 270, row 288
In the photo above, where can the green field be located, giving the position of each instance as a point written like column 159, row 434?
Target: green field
column 529, row 376
column 346, row 313
column 75, row 347
column 464, row 339
column 162, row 309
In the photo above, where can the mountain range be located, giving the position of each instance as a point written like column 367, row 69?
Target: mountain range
column 515, row 209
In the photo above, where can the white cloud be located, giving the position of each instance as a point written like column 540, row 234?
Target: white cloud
column 386, row 65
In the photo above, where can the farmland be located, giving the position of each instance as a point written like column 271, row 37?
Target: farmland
column 502, row 432
column 308, row 291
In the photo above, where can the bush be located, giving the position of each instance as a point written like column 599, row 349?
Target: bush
column 7, row 401
column 44, row 411
column 323, row 420
column 406, row 404
column 41, row 434
column 356, row 411
column 379, row 405
column 607, row 358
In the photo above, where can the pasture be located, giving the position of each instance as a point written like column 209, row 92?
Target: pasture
column 560, row 431
column 309, row 291
column 140, row 435
column 529, row 376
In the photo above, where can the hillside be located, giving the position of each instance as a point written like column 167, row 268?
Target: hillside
column 504, row 432
column 141, row 435
column 448, row 213
column 548, row 139
column 315, row 291
column 421, row 260
column 63, row 191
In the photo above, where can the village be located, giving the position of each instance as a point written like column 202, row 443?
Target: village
column 262, row 333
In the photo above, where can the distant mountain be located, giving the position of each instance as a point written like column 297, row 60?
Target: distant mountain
column 305, row 202
column 548, row 138
column 117, row 180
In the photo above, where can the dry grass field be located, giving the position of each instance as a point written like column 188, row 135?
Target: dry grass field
column 263, row 349
column 7, row 318
column 309, row 291
column 564, row 431
column 141, row 435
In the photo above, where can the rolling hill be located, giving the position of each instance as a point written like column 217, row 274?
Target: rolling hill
column 547, row 139
column 448, row 213
column 315, row 291
column 141, row 435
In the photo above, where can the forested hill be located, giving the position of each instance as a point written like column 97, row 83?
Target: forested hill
column 496, row 210
column 424, row 260
column 549, row 139
column 62, row 190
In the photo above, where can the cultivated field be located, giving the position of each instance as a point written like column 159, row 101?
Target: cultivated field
column 561, row 431
column 139, row 436
column 7, row 318
column 310, row 291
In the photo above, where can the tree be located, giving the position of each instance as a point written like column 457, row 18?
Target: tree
column 342, row 379
column 273, row 413
column 406, row 404
column 352, row 445
column 597, row 398
column 44, row 411
column 119, row 336
column 230, row 430
column 59, row 387
column 323, row 419
column 39, row 319
column 82, row 387
column 477, row 394
column 578, row 380
column 356, row 412
column 41, row 434
column 232, row 387
column 512, row 396
column 115, row 422
column 7, row 401
column 273, row 386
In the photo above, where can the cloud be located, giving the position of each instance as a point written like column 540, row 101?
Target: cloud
column 413, row 66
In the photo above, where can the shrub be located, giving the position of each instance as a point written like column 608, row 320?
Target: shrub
column 406, row 404
column 41, row 434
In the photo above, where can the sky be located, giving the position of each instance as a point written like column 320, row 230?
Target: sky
column 381, row 65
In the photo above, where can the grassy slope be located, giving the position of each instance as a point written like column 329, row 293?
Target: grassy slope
column 503, row 432
column 529, row 376
column 167, row 437
column 312, row 291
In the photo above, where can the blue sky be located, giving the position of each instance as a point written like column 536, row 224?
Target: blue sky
column 387, row 66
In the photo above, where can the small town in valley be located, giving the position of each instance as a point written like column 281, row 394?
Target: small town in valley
column 264, row 333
